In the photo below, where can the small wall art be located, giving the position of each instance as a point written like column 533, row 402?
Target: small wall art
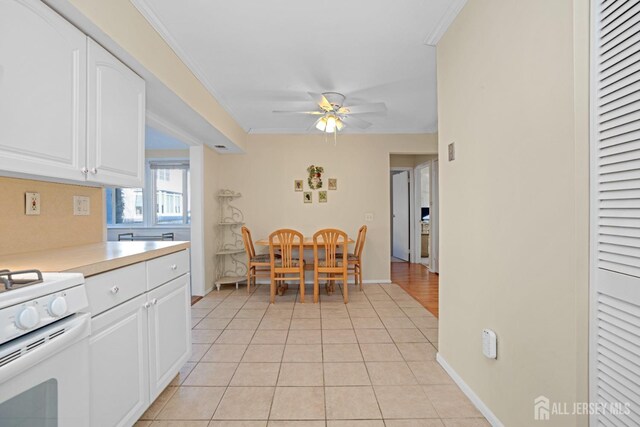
column 322, row 196
column 333, row 184
column 297, row 185
column 307, row 197
column 315, row 177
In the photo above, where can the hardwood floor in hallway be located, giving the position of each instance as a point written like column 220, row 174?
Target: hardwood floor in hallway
column 419, row 282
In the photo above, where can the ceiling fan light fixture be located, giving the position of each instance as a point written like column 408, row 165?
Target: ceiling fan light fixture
column 321, row 125
column 331, row 124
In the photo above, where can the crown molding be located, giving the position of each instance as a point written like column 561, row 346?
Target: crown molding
column 289, row 131
column 443, row 25
column 153, row 19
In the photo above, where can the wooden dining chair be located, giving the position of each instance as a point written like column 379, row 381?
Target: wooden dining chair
column 333, row 262
column 354, row 267
column 258, row 265
column 286, row 264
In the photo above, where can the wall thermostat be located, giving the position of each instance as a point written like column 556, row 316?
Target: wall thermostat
column 489, row 344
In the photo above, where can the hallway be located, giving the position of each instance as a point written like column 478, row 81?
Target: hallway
column 419, row 282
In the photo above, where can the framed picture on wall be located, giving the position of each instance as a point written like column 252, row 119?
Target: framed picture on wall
column 297, row 185
column 333, row 184
column 307, row 197
column 322, row 196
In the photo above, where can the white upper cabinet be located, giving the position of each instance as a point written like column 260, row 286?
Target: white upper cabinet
column 115, row 126
column 42, row 91
column 68, row 108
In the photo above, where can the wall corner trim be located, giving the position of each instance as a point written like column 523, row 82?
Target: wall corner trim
column 484, row 409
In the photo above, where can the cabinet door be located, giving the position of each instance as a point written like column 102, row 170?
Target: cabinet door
column 118, row 361
column 42, row 92
column 169, row 332
column 115, row 123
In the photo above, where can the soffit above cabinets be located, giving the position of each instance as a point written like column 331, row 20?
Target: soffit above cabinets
column 256, row 56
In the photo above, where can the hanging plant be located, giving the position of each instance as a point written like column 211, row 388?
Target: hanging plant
column 315, row 176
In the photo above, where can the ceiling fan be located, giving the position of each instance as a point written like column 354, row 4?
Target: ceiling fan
column 334, row 115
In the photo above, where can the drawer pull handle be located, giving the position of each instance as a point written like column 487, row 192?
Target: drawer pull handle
column 174, row 267
column 154, row 301
column 115, row 290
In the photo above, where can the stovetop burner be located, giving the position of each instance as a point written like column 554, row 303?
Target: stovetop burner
column 30, row 277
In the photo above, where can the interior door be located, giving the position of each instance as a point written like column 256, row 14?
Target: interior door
column 434, row 220
column 400, row 209
column 615, row 213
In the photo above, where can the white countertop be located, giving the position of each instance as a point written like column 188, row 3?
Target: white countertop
column 91, row 259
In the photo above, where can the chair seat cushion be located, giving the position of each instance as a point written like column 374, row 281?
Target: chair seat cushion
column 261, row 258
column 294, row 263
column 323, row 263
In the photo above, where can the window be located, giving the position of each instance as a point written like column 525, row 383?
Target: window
column 165, row 202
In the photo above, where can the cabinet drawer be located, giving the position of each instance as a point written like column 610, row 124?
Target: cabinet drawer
column 166, row 268
column 109, row 289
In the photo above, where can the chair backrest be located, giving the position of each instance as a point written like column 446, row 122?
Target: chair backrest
column 285, row 241
column 248, row 243
column 331, row 239
column 362, row 235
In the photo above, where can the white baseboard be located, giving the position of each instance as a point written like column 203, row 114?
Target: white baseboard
column 484, row 409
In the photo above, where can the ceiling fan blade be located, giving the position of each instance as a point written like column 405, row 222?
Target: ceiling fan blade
column 312, row 113
column 319, row 99
column 376, row 107
column 355, row 121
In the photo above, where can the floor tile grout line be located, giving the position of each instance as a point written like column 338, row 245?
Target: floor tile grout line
column 241, row 357
column 322, row 343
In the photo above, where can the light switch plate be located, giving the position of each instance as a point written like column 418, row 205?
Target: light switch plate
column 81, row 205
column 32, row 203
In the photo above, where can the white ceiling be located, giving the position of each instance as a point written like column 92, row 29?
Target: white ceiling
column 157, row 140
column 257, row 56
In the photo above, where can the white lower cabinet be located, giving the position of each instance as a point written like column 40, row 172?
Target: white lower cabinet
column 136, row 347
column 169, row 332
column 119, row 369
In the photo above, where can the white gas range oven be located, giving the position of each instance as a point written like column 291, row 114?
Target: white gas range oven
column 44, row 349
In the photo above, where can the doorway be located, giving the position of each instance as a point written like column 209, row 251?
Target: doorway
column 401, row 214
column 423, row 213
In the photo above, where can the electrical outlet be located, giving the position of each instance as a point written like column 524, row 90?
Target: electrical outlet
column 81, row 205
column 489, row 344
column 368, row 217
column 32, row 203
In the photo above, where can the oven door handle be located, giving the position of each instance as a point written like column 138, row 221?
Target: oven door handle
column 75, row 329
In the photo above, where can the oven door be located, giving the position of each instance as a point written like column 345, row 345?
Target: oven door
column 44, row 376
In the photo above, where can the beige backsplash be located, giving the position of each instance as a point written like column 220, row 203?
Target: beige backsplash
column 56, row 226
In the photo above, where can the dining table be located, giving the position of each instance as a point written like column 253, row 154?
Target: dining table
column 307, row 243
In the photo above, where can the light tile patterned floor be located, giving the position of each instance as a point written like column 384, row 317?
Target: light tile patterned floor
column 370, row 363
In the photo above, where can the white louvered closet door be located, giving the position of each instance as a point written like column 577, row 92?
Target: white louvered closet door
column 615, row 296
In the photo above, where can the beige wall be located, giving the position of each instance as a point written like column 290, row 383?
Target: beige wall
column 126, row 26
column 56, row 226
column 409, row 160
column 512, row 93
column 265, row 176
column 211, row 185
